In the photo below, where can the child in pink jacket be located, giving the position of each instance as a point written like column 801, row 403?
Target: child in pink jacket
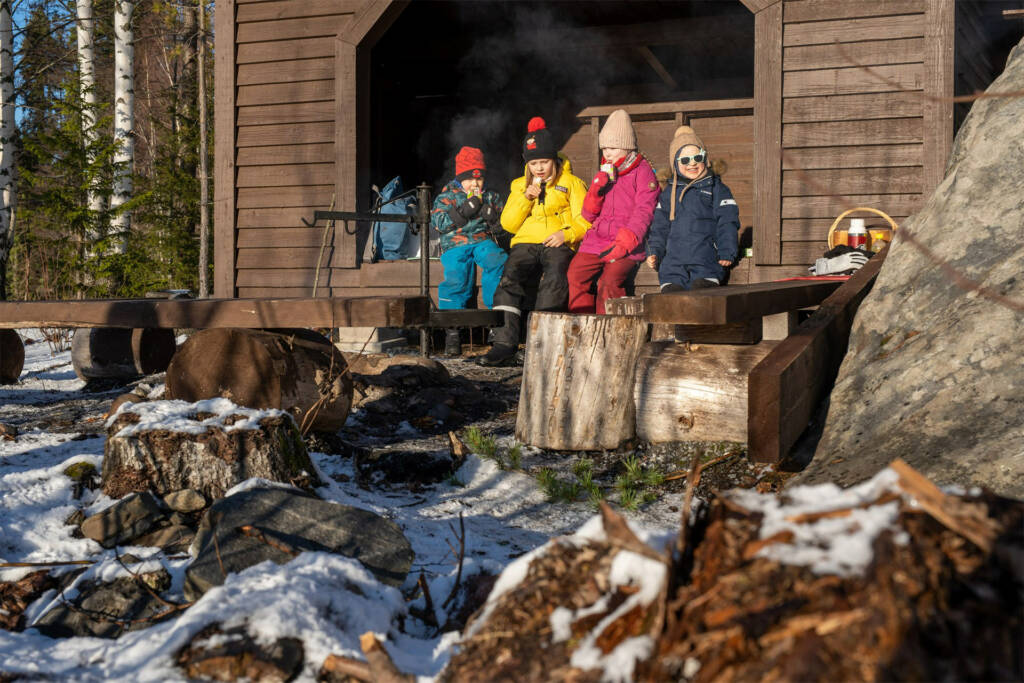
column 619, row 204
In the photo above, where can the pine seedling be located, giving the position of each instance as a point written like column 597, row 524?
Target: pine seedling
column 515, row 457
column 483, row 445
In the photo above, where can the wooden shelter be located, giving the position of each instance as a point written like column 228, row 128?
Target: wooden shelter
column 814, row 105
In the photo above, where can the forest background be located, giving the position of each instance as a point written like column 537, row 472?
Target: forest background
column 87, row 212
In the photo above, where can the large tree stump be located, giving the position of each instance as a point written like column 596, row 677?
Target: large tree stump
column 694, row 393
column 298, row 372
column 577, row 381
column 12, row 356
column 121, row 352
column 209, row 446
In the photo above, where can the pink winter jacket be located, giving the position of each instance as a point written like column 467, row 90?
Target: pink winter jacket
column 628, row 204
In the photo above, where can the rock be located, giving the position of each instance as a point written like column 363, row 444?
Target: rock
column 291, row 519
column 122, row 399
column 404, row 466
column 403, row 370
column 123, row 521
column 84, row 476
column 173, row 539
column 933, row 373
column 185, row 500
column 103, row 610
column 215, row 654
column 208, row 446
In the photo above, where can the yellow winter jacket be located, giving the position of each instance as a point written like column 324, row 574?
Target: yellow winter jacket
column 533, row 222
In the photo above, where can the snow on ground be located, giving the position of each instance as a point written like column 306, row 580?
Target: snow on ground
column 504, row 513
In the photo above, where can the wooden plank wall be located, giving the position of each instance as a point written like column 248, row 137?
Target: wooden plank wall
column 851, row 136
column 284, row 140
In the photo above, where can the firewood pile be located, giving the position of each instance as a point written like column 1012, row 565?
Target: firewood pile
column 893, row 579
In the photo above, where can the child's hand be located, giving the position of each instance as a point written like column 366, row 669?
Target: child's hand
column 652, row 262
column 555, row 239
column 533, row 191
column 724, row 263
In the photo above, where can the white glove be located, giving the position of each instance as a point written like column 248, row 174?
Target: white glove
column 848, row 262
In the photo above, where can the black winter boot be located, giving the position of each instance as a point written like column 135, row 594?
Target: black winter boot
column 499, row 356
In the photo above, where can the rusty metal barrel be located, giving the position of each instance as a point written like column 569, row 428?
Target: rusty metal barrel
column 121, row 353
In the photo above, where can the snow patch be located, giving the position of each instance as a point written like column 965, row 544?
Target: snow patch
column 838, row 545
column 180, row 416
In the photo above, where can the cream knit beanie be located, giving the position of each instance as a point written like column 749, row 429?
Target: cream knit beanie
column 617, row 131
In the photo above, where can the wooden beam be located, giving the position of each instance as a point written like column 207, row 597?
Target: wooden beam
column 788, row 385
column 938, row 87
column 659, row 68
column 352, row 117
column 224, row 151
column 739, row 106
column 372, row 21
column 346, row 143
column 756, row 6
column 736, row 303
column 400, row 311
column 768, row 135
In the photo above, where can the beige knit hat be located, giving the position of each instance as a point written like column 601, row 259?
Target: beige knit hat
column 617, row 131
column 684, row 136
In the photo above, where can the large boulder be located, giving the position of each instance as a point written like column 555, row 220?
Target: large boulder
column 276, row 524
column 208, row 446
column 933, row 373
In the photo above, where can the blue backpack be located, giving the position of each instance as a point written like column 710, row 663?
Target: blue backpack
column 392, row 241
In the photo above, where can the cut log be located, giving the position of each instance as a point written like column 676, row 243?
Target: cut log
column 12, row 356
column 577, row 381
column 208, row 447
column 262, row 369
column 694, row 393
column 120, row 352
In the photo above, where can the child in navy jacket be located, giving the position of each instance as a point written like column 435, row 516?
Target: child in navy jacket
column 694, row 233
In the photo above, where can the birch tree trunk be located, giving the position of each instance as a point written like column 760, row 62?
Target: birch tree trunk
column 124, row 117
column 6, row 141
column 87, row 89
column 204, row 187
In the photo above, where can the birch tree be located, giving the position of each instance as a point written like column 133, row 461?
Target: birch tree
column 87, row 88
column 124, row 117
column 6, row 141
column 204, row 186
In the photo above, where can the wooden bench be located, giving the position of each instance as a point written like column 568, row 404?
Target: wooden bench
column 403, row 311
column 705, row 390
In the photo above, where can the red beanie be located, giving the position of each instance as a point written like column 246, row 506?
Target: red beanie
column 469, row 163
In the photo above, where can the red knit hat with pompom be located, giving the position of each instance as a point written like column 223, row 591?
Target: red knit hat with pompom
column 538, row 143
column 469, row 163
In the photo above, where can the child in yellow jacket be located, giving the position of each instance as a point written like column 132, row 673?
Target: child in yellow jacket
column 543, row 212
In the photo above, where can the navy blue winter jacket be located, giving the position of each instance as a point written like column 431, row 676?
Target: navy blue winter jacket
column 704, row 232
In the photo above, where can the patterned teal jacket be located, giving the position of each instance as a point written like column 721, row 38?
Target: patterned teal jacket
column 474, row 231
